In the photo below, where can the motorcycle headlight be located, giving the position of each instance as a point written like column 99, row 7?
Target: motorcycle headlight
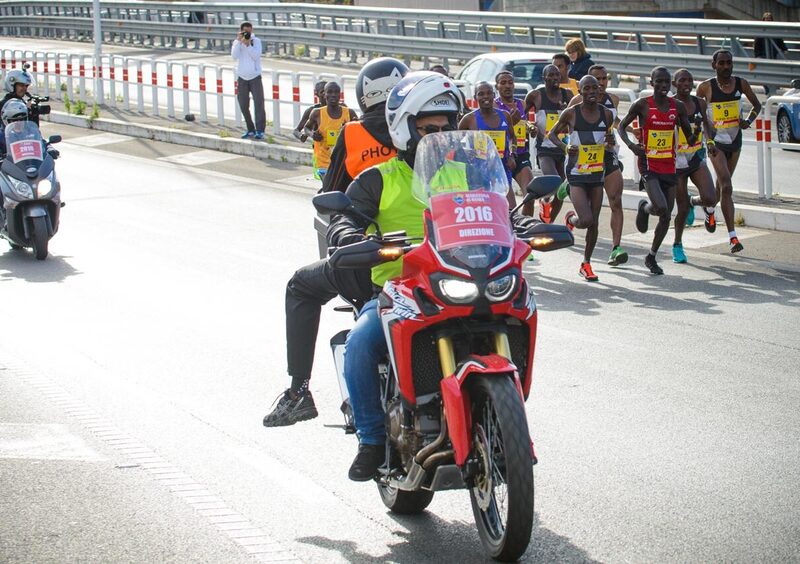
column 20, row 188
column 458, row 291
column 501, row 288
column 43, row 188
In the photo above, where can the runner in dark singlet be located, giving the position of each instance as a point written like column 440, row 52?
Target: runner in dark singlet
column 522, row 173
column 723, row 94
column 591, row 136
column 548, row 102
column 691, row 163
column 658, row 115
column 497, row 125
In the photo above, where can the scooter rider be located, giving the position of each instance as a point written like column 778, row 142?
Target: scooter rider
column 361, row 145
column 422, row 103
column 365, row 142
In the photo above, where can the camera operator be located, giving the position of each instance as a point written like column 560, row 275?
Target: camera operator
column 16, row 86
column 246, row 50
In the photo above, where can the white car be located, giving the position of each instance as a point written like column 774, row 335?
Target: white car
column 525, row 66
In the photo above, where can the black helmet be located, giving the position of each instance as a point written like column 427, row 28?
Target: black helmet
column 376, row 80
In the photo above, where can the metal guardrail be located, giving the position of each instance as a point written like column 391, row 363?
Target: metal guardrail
column 630, row 46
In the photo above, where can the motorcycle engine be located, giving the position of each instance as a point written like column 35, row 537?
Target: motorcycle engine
column 409, row 433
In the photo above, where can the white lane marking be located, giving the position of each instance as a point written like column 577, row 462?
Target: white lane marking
column 197, row 158
column 205, row 502
column 98, row 140
column 43, row 441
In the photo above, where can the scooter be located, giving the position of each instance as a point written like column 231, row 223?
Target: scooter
column 31, row 191
column 460, row 328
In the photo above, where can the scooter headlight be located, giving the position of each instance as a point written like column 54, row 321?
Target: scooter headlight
column 20, row 188
column 501, row 288
column 458, row 291
column 43, row 188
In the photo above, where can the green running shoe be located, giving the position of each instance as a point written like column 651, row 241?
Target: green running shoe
column 618, row 256
column 563, row 191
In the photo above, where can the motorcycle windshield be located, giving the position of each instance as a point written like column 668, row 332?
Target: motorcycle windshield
column 24, row 145
column 459, row 175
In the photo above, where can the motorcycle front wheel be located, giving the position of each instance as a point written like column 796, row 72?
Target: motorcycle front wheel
column 40, row 236
column 502, row 491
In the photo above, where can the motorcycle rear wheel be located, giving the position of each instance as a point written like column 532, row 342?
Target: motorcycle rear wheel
column 403, row 502
column 40, row 236
column 502, row 492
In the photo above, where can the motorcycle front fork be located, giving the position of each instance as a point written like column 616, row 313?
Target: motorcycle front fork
column 447, row 355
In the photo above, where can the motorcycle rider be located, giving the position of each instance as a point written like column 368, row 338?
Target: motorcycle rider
column 422, row 103
column 13, row 111
column 361, row 145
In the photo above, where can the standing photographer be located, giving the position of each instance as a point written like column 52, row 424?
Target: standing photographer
column 246, row 50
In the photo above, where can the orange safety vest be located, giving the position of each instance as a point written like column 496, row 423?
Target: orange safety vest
column 362, row 149
column 330, row 129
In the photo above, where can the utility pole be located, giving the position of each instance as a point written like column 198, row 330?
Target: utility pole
column 98, row 54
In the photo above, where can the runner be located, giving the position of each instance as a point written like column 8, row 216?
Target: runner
column 497, row 125
column 522, row 173
column 613, row 182
column 548, row 102
column 591, row 126
column 563, row 63
column 658, row 115
column 319, row 92
column 691, row 163
column 723, row 94
column 324, row 125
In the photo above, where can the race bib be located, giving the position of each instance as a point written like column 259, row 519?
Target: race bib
column 725, row 114
column 481, row 146
column 683, row 143
column 332, row 136
column 590, row 159
column 550, row 121
column 659, row 144
column 499, row 138
column 521, row 132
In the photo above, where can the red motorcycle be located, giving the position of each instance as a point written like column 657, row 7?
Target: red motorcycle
column 460, row 325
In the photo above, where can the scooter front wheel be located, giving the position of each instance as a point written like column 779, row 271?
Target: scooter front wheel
column 502, row 491
column 40, row 236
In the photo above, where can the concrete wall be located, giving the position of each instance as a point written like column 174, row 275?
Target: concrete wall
column 733, row 9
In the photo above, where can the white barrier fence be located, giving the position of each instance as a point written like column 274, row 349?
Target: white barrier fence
column 171, row 88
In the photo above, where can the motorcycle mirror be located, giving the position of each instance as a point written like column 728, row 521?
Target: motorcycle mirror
column 546, row 237
column 53, row 139
column 331, row 202
column 541, row 186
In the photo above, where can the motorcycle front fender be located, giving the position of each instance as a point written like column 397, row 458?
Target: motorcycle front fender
column 35, row 209
column 457, row 403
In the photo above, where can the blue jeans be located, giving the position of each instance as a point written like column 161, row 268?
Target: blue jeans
column 364, row 349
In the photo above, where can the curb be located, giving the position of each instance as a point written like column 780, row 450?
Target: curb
column 243, row 147
column 762, row 217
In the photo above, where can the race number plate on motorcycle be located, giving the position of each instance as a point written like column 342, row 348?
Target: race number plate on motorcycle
column 25, row 150
column 471, row 218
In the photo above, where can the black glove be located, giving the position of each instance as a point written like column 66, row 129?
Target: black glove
column 55, row 153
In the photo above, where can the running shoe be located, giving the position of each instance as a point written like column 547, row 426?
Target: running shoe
column 563, row 191
column 291, row 408
column 736, row 246
column 618, row 256
column 690, row 215
column 544, row 211
column 711, row 221
column 259, row 135
column 570, row 213
column 587, row 272
column 248, row 134
column 678, row 255
column 650, row 263
column 642, row 217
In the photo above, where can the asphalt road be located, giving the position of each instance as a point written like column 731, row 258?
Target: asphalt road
column 136, row 364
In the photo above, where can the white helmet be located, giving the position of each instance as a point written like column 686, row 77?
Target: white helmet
column 420, row 94
column 14, row 110
column 15, row 77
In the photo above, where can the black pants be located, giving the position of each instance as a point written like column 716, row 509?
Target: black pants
column 256, row 88
column 308, row 290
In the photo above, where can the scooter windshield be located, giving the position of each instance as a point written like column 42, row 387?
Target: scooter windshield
column 460, row 177
column 24, row 145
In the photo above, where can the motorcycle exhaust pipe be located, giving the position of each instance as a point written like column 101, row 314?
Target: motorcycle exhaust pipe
column 427, row 451
column 434, row 459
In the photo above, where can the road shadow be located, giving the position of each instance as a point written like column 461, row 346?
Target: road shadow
column 672, row 291
column 22, row 265
column 429, row 538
